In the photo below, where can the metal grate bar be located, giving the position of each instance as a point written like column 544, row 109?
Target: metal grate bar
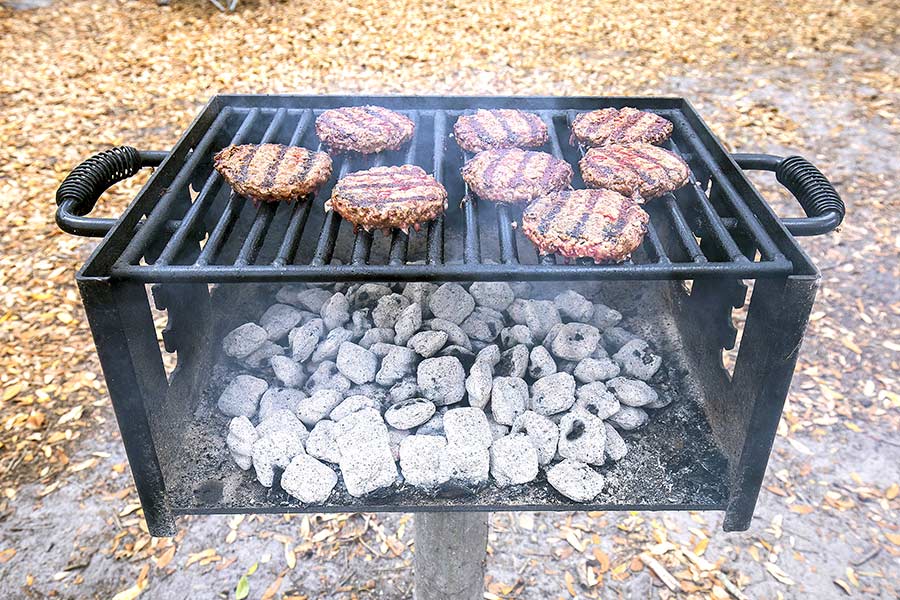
column 204, row 199
column 509, row 254
column 716, row 227
column 301, row 208
column 471, row 241
column 435, row 243
column 265, row 211
column 160, row 213
column 658, row 250
column 400, row 239
column 330, row 227
column 763, row 241
column 555, row 147
column 688, row 241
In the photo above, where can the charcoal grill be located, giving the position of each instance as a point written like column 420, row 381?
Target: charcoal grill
column 206, row 251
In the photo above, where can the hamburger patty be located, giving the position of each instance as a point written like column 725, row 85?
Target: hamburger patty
column 385, row 197
column 513, row 175
column 272, row 172
column 599, row 224
column 501, row 128
column 634, row 168
column 363, row 129
column 622, row 126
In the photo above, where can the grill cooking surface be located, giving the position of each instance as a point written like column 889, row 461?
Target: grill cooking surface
column 188, row 225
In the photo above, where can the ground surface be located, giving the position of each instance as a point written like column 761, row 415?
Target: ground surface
column 817, row 79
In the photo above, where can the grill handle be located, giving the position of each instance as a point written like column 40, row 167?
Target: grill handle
column 81, row 189
column 820, row 201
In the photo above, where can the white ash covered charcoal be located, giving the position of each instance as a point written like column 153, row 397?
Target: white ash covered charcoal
column 409, row 413
column 616, row 337
column 631, row 392
column 483, row 324
column 304, row 339
column 455, row 335
column 321, row 443
column 336, row 311
column 244, row 340
column 478, row 383
column 395, row 438
column 427, row 343
column 465, row 356
column 516, row 311
column 540, row 363
column 515, row 335
column 360, row 323
column 513, row 362
column 287, row 371
column 376, row 335
column 241, row 436
column 288, row 294
column 367, row 295
column 328, row 348
column 404, row 389
column 434, row 425
column 241, row 396
column 282, row 420
column 318, row 406
column 388, row 309
column 408, row 323
column 467, row 426
column 489, row 354
column 616, row 449
column 553, row 394
column 366, row 461
column 351, row 404
column 419, row 292
column 442, row 380
column 664, row 397
column 451, row 302
column 497, row 430
column 356, row 363
column 575, row 341
column 492, row 294
column 509, row 399
column 590, row 369
column 637, row 360
column 274, row 450
column 312, row 299
column 374, row 391
column 308, row 480
column 467, row 466
column 573, row 306
column 542, row 433
column 277, row 398
column 582, row 437
column 597, row 400
column 395, row 365
column 629, row 418
column 575, row 480
column 262, row 355
column 540, row 317
column 604, row 317
column 381, row 349
column 279, row 319
column 420, row 460
column 327, row 377
column 514, row 460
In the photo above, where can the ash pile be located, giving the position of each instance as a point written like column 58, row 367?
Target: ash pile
column 436, row 387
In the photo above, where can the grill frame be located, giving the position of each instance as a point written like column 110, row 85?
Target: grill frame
column 743, row 406
column 162, row 211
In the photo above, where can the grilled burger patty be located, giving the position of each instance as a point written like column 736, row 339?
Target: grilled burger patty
column 501, row 128
column 512, row 175
column 385, row 197
column 622, row 126
column 599, row 224
column 272, row 172
column 634, row 168
column 363, row 129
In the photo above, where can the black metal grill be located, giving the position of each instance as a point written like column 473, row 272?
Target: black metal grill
column 195, row 229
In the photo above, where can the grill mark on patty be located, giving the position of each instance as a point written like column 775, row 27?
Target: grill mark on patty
column 483, row 135
column 583, row 218
column 272, row 171
column 519, row 174
column 245, row 163
column 380, row 117
column 549, row 216
column 302, row 172
column 670, row 171
column 623, row 127
column 492, row 166
column 534, row 125
column 501, row 120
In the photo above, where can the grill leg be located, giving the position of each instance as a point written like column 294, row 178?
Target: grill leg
column 122, row 326
column 451, row 548
column 776, row 320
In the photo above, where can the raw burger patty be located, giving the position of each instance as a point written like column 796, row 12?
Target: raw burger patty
column 364, row 129
column 634, row 168
column 385, row 197
column 622, row 126
column 599, row 224
column 273, row 172
column 501, row 128
column 513, row 175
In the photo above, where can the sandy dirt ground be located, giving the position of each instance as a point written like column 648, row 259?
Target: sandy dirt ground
column 821, row 82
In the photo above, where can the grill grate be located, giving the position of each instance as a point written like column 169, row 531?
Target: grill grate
column 706, row 229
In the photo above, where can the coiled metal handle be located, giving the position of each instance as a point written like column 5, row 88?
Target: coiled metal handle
column 820, row 201
column 80, row 190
